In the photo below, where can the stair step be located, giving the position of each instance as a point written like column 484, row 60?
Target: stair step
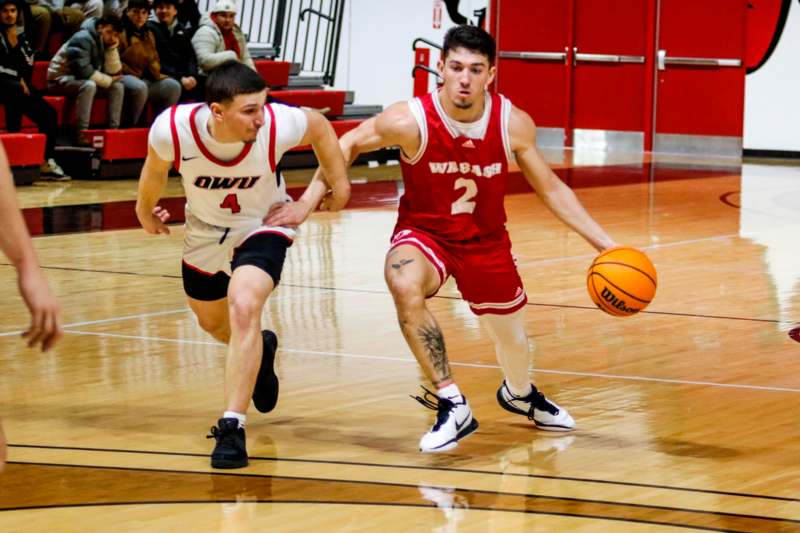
column 349, row 97
column 306, row 82
column 261, row 51
column 360, row 111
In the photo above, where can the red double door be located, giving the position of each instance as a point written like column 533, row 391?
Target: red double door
column 631, row 74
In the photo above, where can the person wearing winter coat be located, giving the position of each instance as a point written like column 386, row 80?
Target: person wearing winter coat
column 17, row 93
column 175, row 50
column 220, row 39
column 142, row 64
column 89, row 63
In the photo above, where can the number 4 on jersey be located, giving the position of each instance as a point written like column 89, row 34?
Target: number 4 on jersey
column 231, row 202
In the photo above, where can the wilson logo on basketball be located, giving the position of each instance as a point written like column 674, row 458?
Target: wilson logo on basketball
column 212, row 182
column 616, row 303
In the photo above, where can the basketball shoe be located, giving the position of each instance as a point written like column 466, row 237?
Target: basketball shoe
column 544, row 413
column 454, row 421
column 230, row 450
column 265, row 393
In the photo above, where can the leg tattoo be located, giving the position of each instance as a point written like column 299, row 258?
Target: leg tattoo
column 401, row 263
column 433, row 340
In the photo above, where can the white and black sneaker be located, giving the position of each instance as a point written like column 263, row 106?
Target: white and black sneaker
column 547, row 415
column 454, row 421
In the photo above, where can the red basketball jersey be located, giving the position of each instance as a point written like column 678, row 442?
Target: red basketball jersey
column 454, row 185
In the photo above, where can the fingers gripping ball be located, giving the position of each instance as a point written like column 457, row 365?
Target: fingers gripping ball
column 622, row 281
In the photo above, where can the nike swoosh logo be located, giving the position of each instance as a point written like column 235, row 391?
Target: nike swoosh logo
column 459, row 426
column 189, row 158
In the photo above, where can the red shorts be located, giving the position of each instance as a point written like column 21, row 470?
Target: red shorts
column 483, row 268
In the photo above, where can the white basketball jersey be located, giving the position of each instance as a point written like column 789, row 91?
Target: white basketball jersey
column 235, row 193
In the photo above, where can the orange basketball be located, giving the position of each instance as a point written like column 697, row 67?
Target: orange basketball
column 621, row 281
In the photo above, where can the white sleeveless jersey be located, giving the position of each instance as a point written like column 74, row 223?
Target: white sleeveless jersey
column 236, row 193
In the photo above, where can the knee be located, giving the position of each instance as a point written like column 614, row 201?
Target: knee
column 407, row 292
column 89, row 87
column 244, row 309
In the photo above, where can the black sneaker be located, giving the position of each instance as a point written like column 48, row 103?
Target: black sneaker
column 230, row 451
column 265, row 393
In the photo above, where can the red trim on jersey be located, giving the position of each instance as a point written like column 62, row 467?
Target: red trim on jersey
column 176, row 143
column 207, row 153
column 274, row 232
column 199, row 270
column 271, row 138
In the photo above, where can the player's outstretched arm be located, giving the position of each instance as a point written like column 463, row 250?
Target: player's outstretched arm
column 395, row 126
column 152, row 181
column 322, row 138
column 555, row 194
column 15, row 242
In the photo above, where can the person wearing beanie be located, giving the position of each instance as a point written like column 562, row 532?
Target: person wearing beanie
column 220, row 39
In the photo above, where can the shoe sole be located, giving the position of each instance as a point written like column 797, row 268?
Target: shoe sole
column 511, row 409
column 265, row 393
column 465, row 432
column 227, row 464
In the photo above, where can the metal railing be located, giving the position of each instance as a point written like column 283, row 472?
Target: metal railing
column 306, row 32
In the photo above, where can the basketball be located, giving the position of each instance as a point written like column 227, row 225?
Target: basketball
column 621, row 281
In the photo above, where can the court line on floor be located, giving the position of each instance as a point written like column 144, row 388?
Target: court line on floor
column 406, row 466
column 532, row 496
column 108, row 320
column 346, row 355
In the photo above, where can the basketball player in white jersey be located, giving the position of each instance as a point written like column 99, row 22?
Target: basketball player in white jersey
column 226, row 151
column 456, row 145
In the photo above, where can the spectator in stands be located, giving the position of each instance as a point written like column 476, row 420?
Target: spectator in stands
column 175, row 50
column 87, row 64
column 188, row 15
column 17, row 93
column 89, row 8
column 141, row 63
column 220, row 39
column 49, row 17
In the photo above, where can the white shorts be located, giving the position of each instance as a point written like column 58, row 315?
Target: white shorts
column 209, row 249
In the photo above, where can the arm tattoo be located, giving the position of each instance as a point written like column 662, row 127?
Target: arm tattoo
column 401, row 264
column 433, row 340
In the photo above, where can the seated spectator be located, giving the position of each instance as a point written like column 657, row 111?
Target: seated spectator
column 89, row 8
column 17, row 93
column 48, row 18
column 220, row 39
column 141, row 64
column 87, row 64
column 175, row 50
column 188, row 15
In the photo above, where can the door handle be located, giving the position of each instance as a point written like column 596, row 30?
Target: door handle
column 606, row 58
column 664, row 60
column 538, row 56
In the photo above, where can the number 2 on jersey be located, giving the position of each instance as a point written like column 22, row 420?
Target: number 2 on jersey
column 464, row 203
column 231, row 202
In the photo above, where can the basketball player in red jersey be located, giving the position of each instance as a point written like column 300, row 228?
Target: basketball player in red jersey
column 456, row 145
column 15, row 242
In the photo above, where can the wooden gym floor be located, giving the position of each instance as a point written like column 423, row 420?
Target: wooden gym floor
column 687, row 413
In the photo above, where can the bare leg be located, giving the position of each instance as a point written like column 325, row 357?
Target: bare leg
column 213, row 317
column 410, row 277
column 247, row 293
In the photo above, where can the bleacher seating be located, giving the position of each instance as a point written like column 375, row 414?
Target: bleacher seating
column 119, row 153
column 25, row 154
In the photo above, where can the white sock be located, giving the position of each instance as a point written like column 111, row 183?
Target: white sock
column 238, row 416
column 450, row 391
column 512, row 349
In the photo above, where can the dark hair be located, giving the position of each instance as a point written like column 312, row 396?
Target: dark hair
column 157, row 3
column 472, row 38
column 231, row 79
column 110, row 20
column 138, row 4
